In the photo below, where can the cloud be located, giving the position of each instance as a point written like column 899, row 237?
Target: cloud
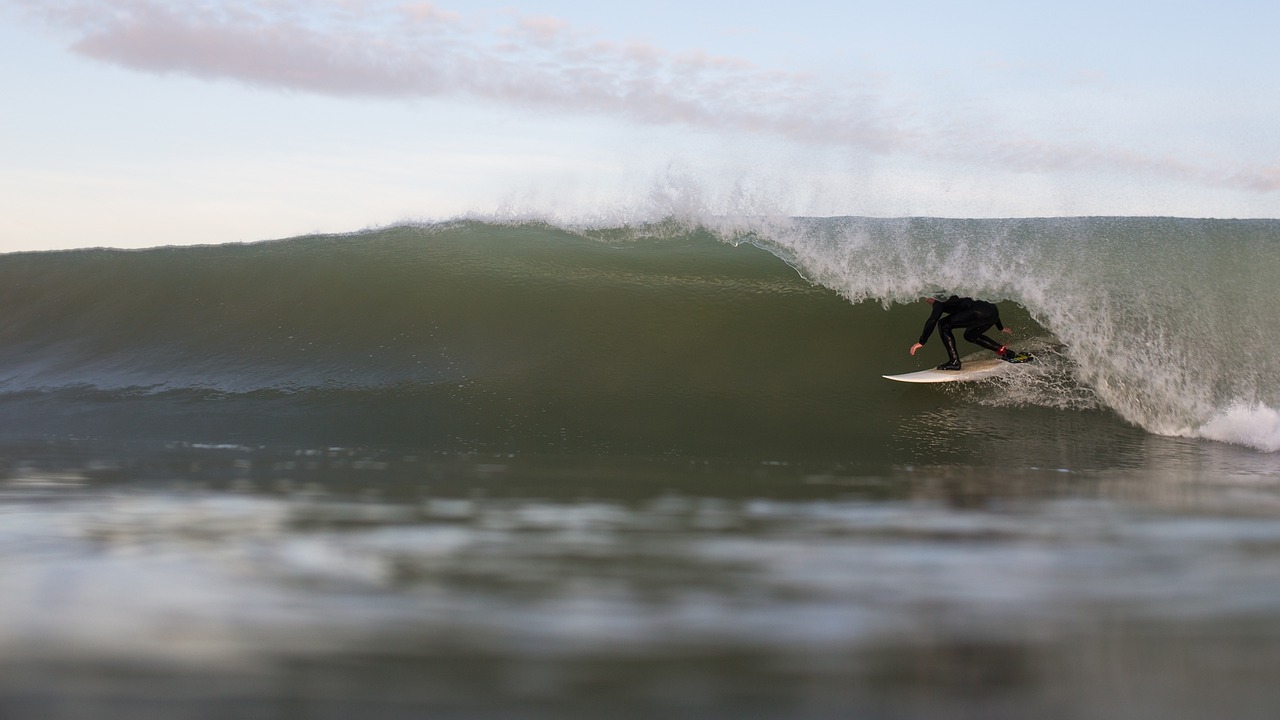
column 366, row 49
column 427, row 12
column 544, row 30
column 1260, row 179
column 396, row 49
column 288, row 58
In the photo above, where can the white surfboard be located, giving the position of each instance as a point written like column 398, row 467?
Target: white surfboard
column 969, row 370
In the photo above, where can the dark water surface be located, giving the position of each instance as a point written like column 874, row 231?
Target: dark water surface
column 196, row 582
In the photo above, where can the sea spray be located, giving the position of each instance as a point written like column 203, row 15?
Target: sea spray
column 1254, row 426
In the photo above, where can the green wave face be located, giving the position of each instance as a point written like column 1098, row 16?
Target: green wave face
column 743, row 337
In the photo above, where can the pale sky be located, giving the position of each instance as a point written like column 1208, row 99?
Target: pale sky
column 134, row 123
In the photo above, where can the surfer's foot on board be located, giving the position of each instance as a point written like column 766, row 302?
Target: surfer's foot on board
column 1008, row 354
column 952, row 365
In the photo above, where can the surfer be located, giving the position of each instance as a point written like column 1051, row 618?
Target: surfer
column 976, row 316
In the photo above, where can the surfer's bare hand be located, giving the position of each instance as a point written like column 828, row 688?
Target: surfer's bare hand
column 915, row 347
column 1007, row 331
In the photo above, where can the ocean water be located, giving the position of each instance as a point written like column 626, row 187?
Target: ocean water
column 521, row 469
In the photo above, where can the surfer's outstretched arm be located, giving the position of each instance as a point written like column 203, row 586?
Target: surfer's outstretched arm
column 934, row 316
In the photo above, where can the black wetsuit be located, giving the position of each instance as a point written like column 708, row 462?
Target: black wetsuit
column 976, row 316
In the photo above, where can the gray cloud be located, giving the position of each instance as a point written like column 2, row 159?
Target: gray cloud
column 385, row 49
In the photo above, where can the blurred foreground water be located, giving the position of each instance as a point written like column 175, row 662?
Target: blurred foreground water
column 224, row 581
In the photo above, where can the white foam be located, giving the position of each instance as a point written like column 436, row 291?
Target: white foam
column 1256, row 426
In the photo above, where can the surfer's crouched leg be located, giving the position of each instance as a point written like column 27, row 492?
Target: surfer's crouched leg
column 948, row 342
column 976, row 335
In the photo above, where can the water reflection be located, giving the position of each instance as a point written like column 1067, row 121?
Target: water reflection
column 327, row 581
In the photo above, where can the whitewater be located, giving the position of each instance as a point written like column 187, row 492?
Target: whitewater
column 1165, row 319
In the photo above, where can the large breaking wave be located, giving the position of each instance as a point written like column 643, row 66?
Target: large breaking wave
column 716, row 335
